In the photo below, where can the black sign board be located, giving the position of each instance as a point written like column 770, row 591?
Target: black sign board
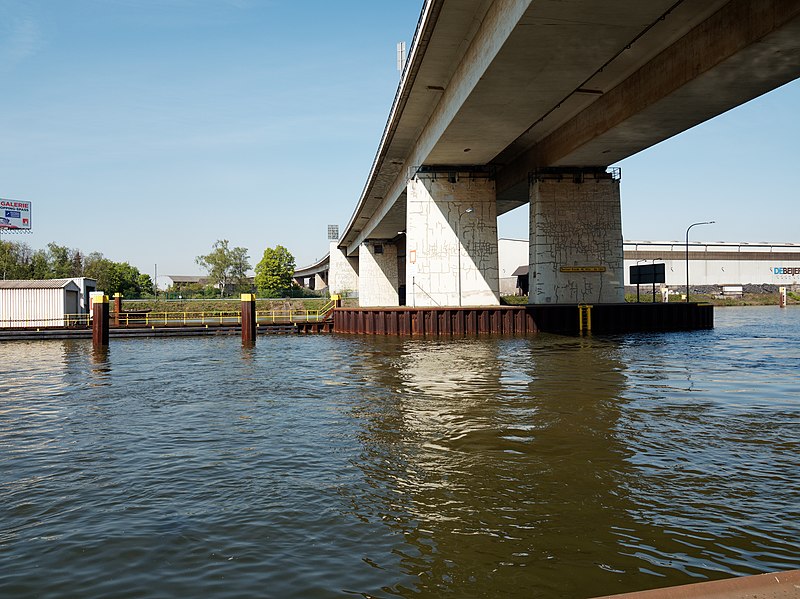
column 648, row 274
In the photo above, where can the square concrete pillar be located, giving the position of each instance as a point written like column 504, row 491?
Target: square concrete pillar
column 342, row 271
column 451, row 237
column 377, row 275
column 575, row 239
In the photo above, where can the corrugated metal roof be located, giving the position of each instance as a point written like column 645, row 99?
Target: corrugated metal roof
column 37, row 284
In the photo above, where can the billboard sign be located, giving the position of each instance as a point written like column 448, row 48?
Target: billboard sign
column 15, row 214
column 648, row 273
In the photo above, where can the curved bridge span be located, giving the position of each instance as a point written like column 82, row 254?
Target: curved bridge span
column 505, row 102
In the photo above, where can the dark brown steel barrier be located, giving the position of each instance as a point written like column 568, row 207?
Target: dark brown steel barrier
column 437, row 322
column 523, row 320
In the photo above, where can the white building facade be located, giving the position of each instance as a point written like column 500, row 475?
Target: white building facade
column 718, row 263
column 46, row 303
column 710, row 263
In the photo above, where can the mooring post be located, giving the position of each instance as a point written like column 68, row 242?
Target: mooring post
column 100, row 321
column 248, row 319
column 782, row 297
column 117, row 308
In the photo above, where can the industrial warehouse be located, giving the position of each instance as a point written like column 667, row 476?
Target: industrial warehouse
column 711, row 264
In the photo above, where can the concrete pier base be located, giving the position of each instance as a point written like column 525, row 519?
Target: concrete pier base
column 575, row 238
column 342, row 271
column 377, row 274
column 451, row 240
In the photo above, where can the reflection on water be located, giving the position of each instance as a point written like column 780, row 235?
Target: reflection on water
column 323, row 466
column 504, row 459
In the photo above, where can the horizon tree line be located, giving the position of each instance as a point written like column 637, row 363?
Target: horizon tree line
column 19, row 261
column 226, row 266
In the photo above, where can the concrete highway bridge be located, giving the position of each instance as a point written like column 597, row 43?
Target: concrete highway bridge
column 504, row 102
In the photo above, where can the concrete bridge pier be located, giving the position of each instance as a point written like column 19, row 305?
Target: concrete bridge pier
column 342, row 271
column 377, row 274
column 575, row 237
column 451, row 240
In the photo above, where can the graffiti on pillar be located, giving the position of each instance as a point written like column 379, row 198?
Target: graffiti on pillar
column 574, row 226
column 452, row 228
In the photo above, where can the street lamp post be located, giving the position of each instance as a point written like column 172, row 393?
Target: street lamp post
column 654, row 279
column 469, row 210
column 710, row 222
column 637, row 284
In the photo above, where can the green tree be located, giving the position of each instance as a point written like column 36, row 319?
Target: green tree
column 117, row 277
column 100, row 268
column 18, row 261
column 125, row 279
column 274, row 272
column 226, row 267
column 146, row 284
column 12, row 259
column 40, row 265
column 65, row 262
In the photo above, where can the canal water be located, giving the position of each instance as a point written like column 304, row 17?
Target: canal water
column 335, row 466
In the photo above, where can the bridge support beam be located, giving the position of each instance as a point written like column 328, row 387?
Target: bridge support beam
column 377, row 275
column 342, row 271
column 451, row 240
column 575, row 237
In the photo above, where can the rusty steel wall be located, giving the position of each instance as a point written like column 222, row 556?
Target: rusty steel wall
column 437, row 322
column 522, row 320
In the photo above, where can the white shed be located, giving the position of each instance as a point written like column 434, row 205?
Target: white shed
column 46, row 303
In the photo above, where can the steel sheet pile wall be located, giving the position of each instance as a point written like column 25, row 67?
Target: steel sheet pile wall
column 674, row 316
column 523, row 320
column 491, row 320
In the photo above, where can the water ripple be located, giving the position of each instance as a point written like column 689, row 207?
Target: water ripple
column 330, row 466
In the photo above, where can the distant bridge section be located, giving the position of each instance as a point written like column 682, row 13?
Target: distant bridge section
column 504, row 102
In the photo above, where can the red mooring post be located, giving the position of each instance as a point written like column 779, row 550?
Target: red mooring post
column 117, row 308
column 248, row 319
column 100, row 321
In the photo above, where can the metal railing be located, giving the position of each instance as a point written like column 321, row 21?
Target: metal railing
column 294, row 316
column 165, row 319
column 133, row 318
column 68, row 321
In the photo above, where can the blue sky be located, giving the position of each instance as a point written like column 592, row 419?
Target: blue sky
column 147, row 129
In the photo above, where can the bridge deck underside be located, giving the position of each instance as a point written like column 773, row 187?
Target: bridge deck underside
column 522, row 85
